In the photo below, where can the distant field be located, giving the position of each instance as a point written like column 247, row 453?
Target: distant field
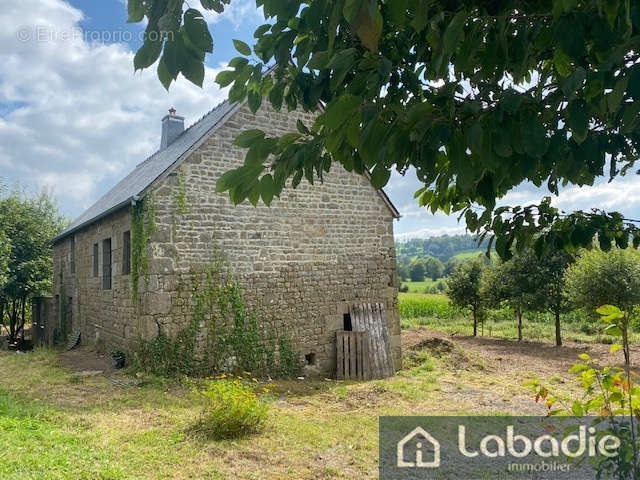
column 470, row 254
column 436, row 312
column 419, row 287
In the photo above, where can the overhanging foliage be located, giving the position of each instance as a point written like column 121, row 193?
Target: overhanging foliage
column 478, row 96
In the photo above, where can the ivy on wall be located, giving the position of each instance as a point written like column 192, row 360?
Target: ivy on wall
column 180, row 197
column 143, row 226
column 223, row 333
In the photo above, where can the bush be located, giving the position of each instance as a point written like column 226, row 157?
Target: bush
column 599, row 278
column 404, row 288
column 232, row 409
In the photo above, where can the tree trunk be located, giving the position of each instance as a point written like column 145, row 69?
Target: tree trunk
column 24, row 303
column 475, row 323
column 558, row 332
column 519, row 325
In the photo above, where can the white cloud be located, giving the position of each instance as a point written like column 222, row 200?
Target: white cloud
column 238, row 13
column 75, row 117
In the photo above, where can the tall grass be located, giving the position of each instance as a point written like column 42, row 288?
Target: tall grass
column 414, row 305
column 436, row 312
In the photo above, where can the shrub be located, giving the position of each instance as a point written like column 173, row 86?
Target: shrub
column 598, row 278
column 404, row 288
column 232, row 409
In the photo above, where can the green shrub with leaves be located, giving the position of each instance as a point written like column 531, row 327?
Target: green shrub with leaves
column 610, row 394
column 599, row 278
column 232, row 409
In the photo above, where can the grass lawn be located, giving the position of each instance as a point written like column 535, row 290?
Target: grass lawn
column 57, row 425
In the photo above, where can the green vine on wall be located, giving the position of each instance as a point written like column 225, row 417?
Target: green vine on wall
column 233, row 340
column 143, row 226
column 180, row 197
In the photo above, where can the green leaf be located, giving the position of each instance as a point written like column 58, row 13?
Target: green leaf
column 254, row 99
column 196, row 29
column 147, row 54
column 193, row 71
column 302, row 128
column 453, row 32
column 135, row 9
column 228, row 180
column 577, row 409
column 380, row 176
column 614, row 330
column 261, row 30
column 267, row 189
column 574, row 82
column 534, row 137
column 318, row 61
column 578, row 121
column 609, row 310
column 340, row 110
column 163, row 75
column 578, row 367
column 248, row 137
column 365, row 20
column 614, row 348
column 242, row 47
column 584, row 356
column 226, row 78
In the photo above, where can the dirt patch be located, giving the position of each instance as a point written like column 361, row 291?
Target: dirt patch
column 83, row 359
column 488, row 374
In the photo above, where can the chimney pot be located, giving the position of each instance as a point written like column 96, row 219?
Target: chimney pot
column 172, row 128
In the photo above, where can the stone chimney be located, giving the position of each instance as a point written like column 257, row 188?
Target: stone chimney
column 172, row 127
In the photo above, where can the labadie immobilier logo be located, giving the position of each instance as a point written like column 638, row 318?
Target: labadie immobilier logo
column 496, row 447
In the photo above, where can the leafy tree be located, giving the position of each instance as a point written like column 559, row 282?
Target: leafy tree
column 515, row 283
column 605, row 278
column 402, row 270
column 433, row 268
column 416, row 271
column 477, row 96
column 463, row 288
column 550, row 286
column 30, row 223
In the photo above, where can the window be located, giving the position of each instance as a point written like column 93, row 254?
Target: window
column 346, row 320
column 106, row 264
column 73, row 254
column 126, row 253
column 96, row 259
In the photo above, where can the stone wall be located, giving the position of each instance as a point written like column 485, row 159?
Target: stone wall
column 105, row 317
column 302, row 261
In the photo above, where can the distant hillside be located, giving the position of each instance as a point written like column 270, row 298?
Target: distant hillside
column 443, row 248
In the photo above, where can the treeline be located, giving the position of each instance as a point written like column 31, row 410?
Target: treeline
column 443, row 247
column 28, row 223
column 557, row 283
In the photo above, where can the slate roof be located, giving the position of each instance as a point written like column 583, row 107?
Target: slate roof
column 137, row 182
column 148, row 171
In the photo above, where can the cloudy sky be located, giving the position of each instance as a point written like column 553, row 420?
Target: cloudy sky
column 75, row 118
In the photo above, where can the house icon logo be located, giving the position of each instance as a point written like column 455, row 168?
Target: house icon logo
column 413, row 447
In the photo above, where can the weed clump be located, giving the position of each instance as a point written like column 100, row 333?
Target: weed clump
column 232, row 409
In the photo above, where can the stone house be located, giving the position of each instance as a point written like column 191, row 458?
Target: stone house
column 303, row 261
